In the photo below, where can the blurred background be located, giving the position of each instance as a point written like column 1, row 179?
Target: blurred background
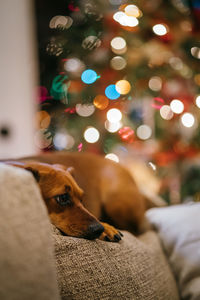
column 118, row 78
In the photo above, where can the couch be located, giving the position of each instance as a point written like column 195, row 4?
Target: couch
column 37, row 262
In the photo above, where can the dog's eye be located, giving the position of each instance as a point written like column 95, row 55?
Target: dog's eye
column 64, row 200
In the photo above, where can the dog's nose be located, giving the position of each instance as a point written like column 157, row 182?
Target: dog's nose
column 94, row 231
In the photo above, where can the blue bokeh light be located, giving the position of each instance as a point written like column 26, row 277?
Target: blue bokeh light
column 89, row 76
column 111, row 92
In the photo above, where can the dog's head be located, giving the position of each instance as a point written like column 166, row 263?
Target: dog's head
column 63, row 198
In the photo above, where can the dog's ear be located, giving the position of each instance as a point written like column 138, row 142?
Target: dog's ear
column 60, row 166
column 23, row 166
column 71, row 171
column 68, row 169
column 35, row 173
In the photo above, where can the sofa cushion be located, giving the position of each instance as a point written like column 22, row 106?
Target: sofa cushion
column 26, row 249
column 131, row 269
column 179, row 229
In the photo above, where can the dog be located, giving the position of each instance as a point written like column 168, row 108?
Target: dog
column 83, row 190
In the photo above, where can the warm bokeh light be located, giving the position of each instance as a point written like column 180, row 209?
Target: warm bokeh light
column 63, row 141
column 187, row 119
column 155, row 83
column 152, row 166
column 74, row 66
column 177, row 106
column 123, row 87
column 91, row 135
column 197, row 101
column 114, row 115
column 133, row 10
column 112, row 126
column 166, row 112
column 118, row 15
column 176, row 63
column 195, row 51
column 112, row 156
column 125, row 20
column 101, row 102
column 42, row 139
column 85, row 110
column 118, row 45
column 118, row 63
column 144, row 132
column 43, row 119
column 160, row 29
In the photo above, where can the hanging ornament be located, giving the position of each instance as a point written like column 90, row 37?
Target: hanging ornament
column 126, row 134
column 91, row 42
column 59, row 88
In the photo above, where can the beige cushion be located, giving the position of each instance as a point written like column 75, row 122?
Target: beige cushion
column 178, row 227
column 26, row 250
column 132, row 269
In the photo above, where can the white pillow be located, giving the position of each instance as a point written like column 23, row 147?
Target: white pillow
column 179, row 229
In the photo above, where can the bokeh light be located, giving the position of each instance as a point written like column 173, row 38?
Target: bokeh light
column 177, row 106
column 89, row 76
column 155, row 83
column 101, row 102
column 160, row 29
column 114, row 115
column 187, row 120
column 123, row 87
column 125, row 19
column 176, row 63
column 195, row 51
column 91, row 135
column 112, row 156
column 118, row 15
column 111, row 92
column 43, row 139
column 74, row 65
column 133, row 10
column 166, row 112
column 85, row 110
column 63, row 141
column 118, row 63
column 152, row 166
column 118, row 45
column 43, row 119
column 113, row 126
column 197, row 101
column 144, row 132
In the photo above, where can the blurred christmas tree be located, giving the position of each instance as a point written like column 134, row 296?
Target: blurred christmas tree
column 120, row 73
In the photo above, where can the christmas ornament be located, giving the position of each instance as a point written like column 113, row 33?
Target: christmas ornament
column 126, row 134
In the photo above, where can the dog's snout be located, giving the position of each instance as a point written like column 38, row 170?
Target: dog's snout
column 94, row 231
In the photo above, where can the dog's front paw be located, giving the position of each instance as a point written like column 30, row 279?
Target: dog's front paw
column 110, row 234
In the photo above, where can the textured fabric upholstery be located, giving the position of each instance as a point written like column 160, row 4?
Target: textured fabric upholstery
column 132, row 269
column 26, row 249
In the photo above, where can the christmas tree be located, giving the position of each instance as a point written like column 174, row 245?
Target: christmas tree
column 120, row 74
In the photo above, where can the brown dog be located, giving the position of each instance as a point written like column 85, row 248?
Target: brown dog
column 110, row 193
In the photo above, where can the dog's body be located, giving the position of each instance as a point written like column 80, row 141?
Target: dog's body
column 109, row 190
